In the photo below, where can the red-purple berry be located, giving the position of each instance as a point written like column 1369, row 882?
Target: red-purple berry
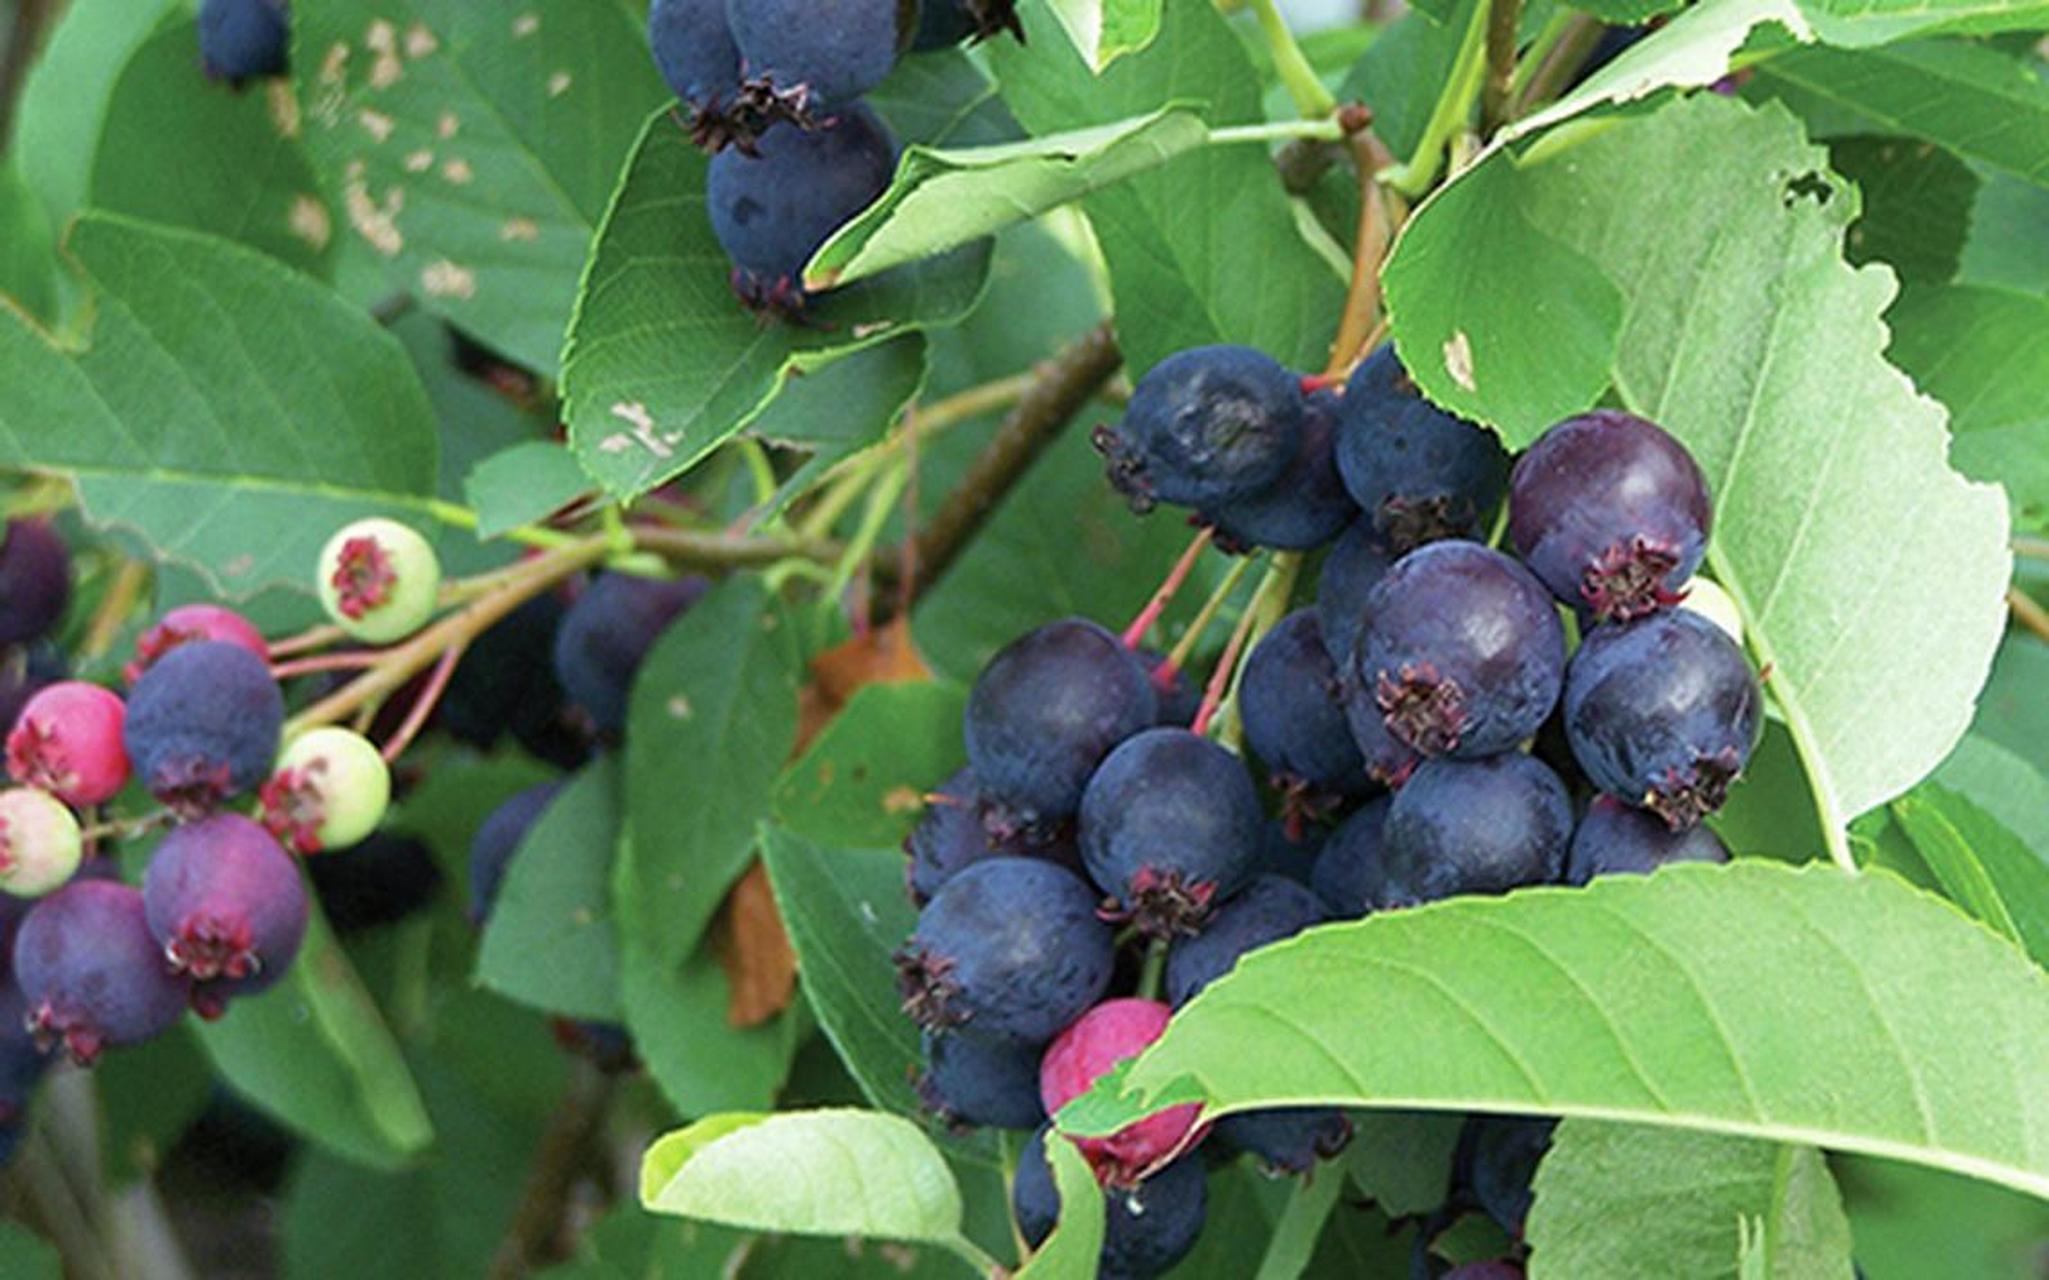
column 67, row 741
column 91, row 972
column 35, row 581
column 227, row 907
column 203, row 725
column 189, row 623
column 1079, row 1056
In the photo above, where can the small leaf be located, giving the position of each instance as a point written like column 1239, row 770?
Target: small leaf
column 863, row 782
column 1916, row 212
column 1401, row 1160
column 1074, row 1250
column 520, row 485
column 25, row 1255
column 700, row 1061
column 1983, row 866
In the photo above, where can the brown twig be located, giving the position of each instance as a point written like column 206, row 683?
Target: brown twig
column 23, row 43
column 1503, row 17
column 320, row 663
column 692, row 549
column 536, row 1227
column 2028, row 613
column 1582, row 33
column 1375, row 235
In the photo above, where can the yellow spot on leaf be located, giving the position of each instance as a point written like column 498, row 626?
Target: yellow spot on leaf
column 310, row 221
column 444, row 279
column 375, row 221
column 558, row 84
column 457, row 171
column 420, row 161
column 284, row 107
column 679, row 708
column 375, row 123
column 382, row 41
column 902, row 800
column 525, row 25
column 447, row 125
column 636, row 416
column 1458, row 360
column 520, row 229
column 420, row 42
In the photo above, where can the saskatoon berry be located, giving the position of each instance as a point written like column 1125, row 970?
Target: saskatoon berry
column 1147, row 1229
column 1351, row 872
column 1170, row 826
column 804, row 54
column 1474, row 826
column 190, row 622
column 1611, row 512
column 1291, row 848
column 1304, row 509
column 67, row 741
column 1614, row 839
column 1463, row 651
column 1294, row 721
column 40, row 843
column 1358, row 561
column 506, row 684
column 1010, row 948
column 244, row 39
column 608, row 634
column 1100, row 1039
column 694, row 49
column 1497, row 1161
column 35, row 581
column 1270, row 908
column 498, row 838
column 329, row 791
column 23, row 673
column 1663, row 713
column 379, row 580
column 227, row 906
column 1044, row 713
column 773, row 209
column 1205, row 426
column 1287, row 1140
column 1179, row 699
column 973, row 1080
column 1417, row 472
column 951, row 836
column 381, row 881
column 1388, row 759
column 91, row 973
column 203, row 725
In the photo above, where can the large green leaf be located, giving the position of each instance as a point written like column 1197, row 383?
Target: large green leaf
column 1626, row 1200
column 1911, row 1223
column 862, row 782
column 474, row 147
column 1801, row 1005
column 1838, row 524
column 230, row 410
column 699, row 1060
column 1862, row 23
column 28, row 258
column 1073, row 1250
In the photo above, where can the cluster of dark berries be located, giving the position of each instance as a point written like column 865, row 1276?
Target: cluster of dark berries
column 774, row 88
column 244, row 40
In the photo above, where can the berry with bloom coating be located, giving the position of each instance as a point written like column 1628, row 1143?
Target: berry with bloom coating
column 1611, row 512
column 1180, row 701
column 379, row 580
column 1269, row 909
column 1044, row 713
column 1663, row 713
column 1497, row 1161
column 1170, row 825
column 1294, row 721
column 498, row 838
column 974, row 1080
column 329, row 791
column 694, row 50
column 1147, row 1229
column 1079, row 1056
column 188, row 623
column 607, row 635
column 67, row 741
column 1291, row 848
column 203, row 725
column 772, row 209
column 1351, row 872
column 1418, row 473
column 807, row 55
column 92, row 974
column 1474, row 826
column 1614, row 839
column 227, row 906
column 1010, row 947
column 1205, row 426
column 951, row 837
column 35, row 581
column 1358, row 562
column 244, row 39
column 1304, row 509
column 40, row 843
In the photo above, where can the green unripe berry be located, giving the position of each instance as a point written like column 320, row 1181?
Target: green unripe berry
column 40, row 843
column 329, row 791
column 379, row 580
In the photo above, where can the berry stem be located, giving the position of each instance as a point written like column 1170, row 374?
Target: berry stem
column 692, row 549
column 306, row 641
column 126, row 828
column 1361, row 321
column 1152, row 976
column 1134, row 634
column 1312, row 100
column 1220, row 678
column 1321, row 130
column 1184, row 648
column 1503, row 19
column 2028, row 613
column 423, row 706
column 2032, row 548
column 352, row 660
column 1454, row 104
column 114, row 608
column 1269, row 605
column 1293, row 1242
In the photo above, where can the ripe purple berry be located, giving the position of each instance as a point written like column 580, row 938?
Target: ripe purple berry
column 1269, row 909
column 498, row 838
column 772, row 210
column 1611, row 512
column 1355, row 564
column 608, row 634
column 1147, row 1229
column 1614, row 839
column 1462, row 651
column 22, row 1062
column 1206, row 426
column 379, row 580
column 1496, row 1163
column 1663, row 713
column 227, row 906
column 91, row 973
column 1008, row 948
column 40, row 843
column 1417, row 472
column 35, row 581
column 1474, row 826
column 972, row 1080
column 1170, row 826
column 1294, row 719
column 1306, row 507
column 67, row 741
column 952, row 837
column 694, row 50
column 329, row 791
column 806, row 55
column 244, row 39
column 1351, row 872
column 203, row 725
column 1179, row 699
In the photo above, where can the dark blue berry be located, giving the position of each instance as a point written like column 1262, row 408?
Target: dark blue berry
column 1288, row 698
column 1611, row 513
column 1497, row 1161
column 498, row 838
column 1462, row 651
column 22, row 1062
column 1206, row 426
column 506, row 683
column 607, row 635
column 1290, row 848
column 1614, row 839
column 1179, row 698
column 1663, row 713
column 1417, row 472
column 1146, row 1229
column 1170, row 826
column 810, row 55
column 952, row 836
column 1356, row 563
column 1351, row 872
column 90, row 971
column 1044, row 713
column 203, row 725
column 1474, row 826
column 1388, row 759
column 227, row 904
column 244, row 39
column 772, row 209
column 693, row 47
column 972, row 1080
column 24, row 672
column 1306, row 507
column 1287, row 1140
column 1269, row 909
column 1009, row 948
column 383, row 880
column 35, row 581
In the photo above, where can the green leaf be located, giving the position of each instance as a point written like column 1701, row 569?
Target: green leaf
column 1402, row 72
column 1917, row 201
column 1182, row 241
column 314, row 1052
column 28, row 259
column 1627, row 13
column 2011, row 791
column 1074, row 1249
column 550, row 942
column 1862, row 23
column 1627, row 1200
column 230, row 410
column 473, row 148
column 1401, row 1160
column 840, row 410
column 942, row 199
column 862, row 781
column 1104, row 30
column 2006, row 247
column 700, row 1061
column 523, row 484
column 943, row 97
column 1912, row 1223
column 1796, row 1005
column 657, row 284
column 713, row 717
column 1984, row 353
column 1983, row 866
column 829, row 1173
column 26, row 1256
column 1746, row 335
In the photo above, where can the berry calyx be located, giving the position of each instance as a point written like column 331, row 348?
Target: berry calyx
column 227, row 906
column 379, row 580
column 67, row 741
column 192, row 622
column 1105, row 1036
column 40, row 842
column 330, row 790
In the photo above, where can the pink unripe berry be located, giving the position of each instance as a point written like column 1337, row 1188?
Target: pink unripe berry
column 379, row 580
column 190, row 622
column 330, row 790
column 40, row 843
column 1094, row 1043
column 68, row 742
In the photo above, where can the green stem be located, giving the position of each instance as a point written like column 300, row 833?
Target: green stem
column 1184, row 648
column 1153, row 975
column 1269, row 606
column 1324, row 130
column 457, row 516
column 975, row 1256
column 1297, row 76
column 759, row 469
column 1454, row 104
column 1293, row 1244
column 1553, row 30
column 881, row 501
